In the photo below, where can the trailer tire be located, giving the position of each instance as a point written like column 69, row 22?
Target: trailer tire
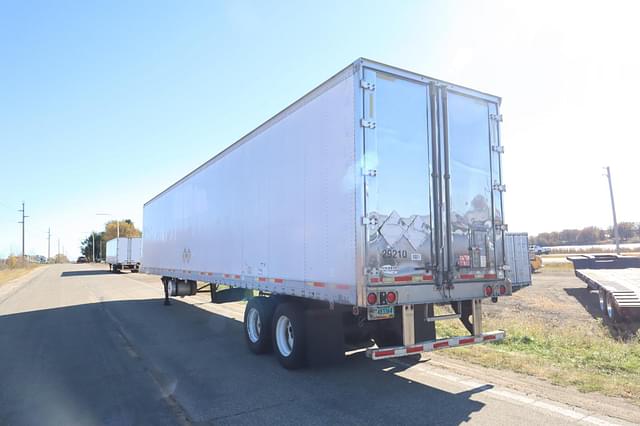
column 602, row 300
column 612, row 310
column 258, row 316
column 289, row 335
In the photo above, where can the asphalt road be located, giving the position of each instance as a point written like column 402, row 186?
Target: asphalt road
column 79, row 345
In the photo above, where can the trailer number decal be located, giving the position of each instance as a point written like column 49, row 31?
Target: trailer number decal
column 395, row 254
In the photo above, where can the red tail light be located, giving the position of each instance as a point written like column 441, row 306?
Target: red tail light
column 391, row 297
column 372, row 298
column 503, row 289
column 488, row 291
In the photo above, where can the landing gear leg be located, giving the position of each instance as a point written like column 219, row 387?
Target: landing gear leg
column 165, row 283
column 213, row 287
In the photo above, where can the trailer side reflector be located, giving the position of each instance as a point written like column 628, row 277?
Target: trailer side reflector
column 467, row 276
column 278, row 280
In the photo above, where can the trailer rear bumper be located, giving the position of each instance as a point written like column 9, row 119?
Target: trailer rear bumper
column 434, row 345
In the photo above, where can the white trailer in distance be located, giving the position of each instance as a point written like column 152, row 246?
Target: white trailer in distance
column 351, row 213
column 124, row 253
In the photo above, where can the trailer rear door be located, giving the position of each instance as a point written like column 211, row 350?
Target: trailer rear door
column 472, row 186
column 433, row 198
column 397, row 171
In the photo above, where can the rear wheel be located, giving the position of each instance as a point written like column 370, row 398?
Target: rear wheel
column 612, row 310
column 602, row 299
column 257, row 324
column 288, row 334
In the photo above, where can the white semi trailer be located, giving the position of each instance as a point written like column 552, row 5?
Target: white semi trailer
column 124, row 253
column 352, row 213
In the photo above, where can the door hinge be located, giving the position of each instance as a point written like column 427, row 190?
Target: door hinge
column 499, row 187
column 368, row 124
column 497, row 148
column 370, row 172
column 369, row 220
column 502, row 227
column 495, row 117
column 505, row 267
column 367, row 86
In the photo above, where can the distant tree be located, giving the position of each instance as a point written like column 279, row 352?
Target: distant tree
column 14, row 262
column 60, row 258
column 588, row 235
column 86, row 247
column 127, row 229
column 569, row 236
column 627, row 230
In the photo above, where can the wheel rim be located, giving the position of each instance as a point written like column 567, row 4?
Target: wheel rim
column 254, row 325
column 610, row 308
column 284, row 336
column 601, row 297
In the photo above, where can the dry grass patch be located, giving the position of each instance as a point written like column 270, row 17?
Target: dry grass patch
column 7, row 275
column 591, row 362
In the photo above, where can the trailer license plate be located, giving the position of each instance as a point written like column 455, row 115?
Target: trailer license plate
column 380, row 312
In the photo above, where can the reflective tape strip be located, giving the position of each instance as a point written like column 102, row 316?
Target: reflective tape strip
column 433, row 345
column 402, row 279
column 226, row 275
column 374, row 280
column 427, row 277
column 261, row 279
column 237, row 277
column 343, row 286
column 317, row 284
column 490, row 276
column 467, row 276
column 277, row 280
column 415, row 349
column 209, row 273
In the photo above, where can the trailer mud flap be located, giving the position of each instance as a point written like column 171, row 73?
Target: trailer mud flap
column 324, row 337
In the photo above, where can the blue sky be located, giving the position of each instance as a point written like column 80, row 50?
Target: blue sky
column 104, row 104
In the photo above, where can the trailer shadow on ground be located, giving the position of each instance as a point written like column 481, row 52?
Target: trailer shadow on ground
column 86, row 273
column 196, row 362
column 588, row 298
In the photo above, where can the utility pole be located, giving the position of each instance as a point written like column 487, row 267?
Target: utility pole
column 22, row 222
column 58, row 255
column 93, row 246
column 48, row 245
column 613, row 209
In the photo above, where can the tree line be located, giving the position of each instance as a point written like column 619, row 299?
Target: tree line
column 127, row 229
column 628, row 231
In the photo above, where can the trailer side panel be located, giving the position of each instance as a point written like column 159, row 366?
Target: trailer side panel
column 288, row 191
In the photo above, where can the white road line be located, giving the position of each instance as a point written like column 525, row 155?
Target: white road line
column 577, row 414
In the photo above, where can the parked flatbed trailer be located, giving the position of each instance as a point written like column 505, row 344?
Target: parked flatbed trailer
column 617, row 279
